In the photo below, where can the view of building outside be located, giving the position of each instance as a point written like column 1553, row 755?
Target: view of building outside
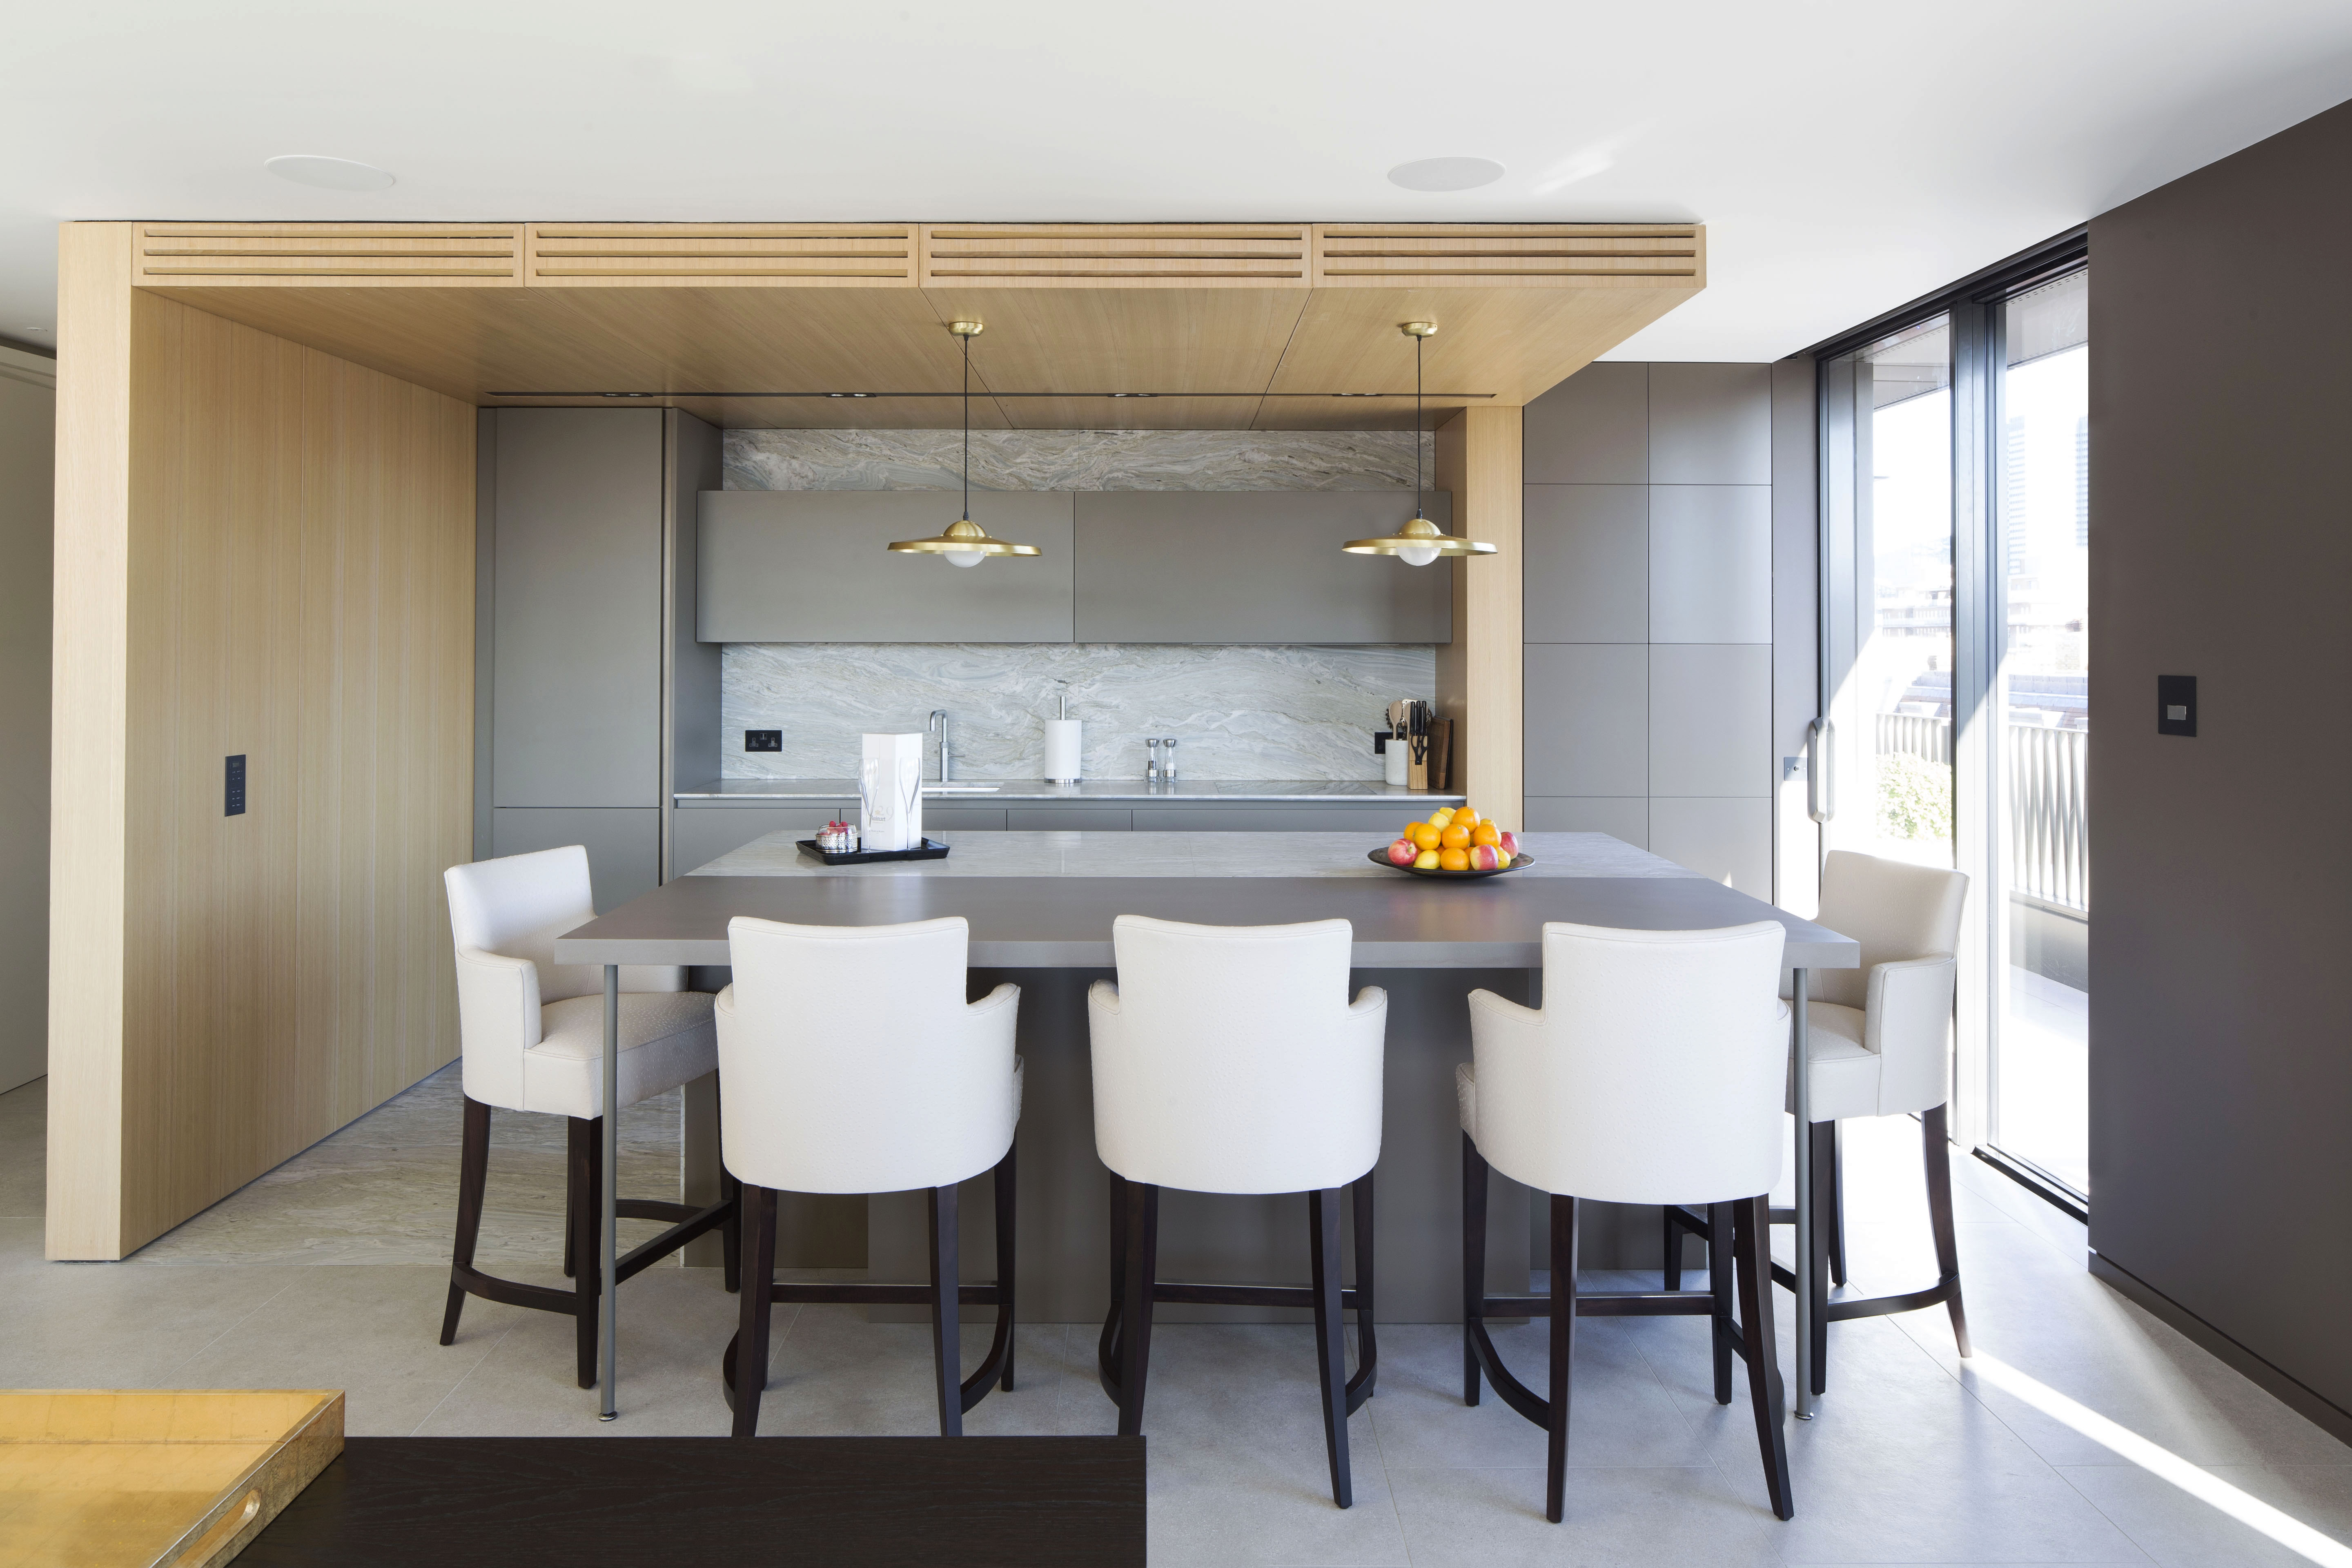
column 2041, row 1013
column 1904, row 671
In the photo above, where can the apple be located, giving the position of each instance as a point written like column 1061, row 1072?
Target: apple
column 1486, row 857
column 1425, row 861
column 1403, row 852
column 1509, row 846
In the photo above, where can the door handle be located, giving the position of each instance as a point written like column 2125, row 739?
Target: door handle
column 1821, row 798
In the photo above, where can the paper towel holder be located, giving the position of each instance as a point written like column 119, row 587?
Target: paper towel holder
column 1062, row 746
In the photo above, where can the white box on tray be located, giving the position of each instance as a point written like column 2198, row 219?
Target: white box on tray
column 890, row 793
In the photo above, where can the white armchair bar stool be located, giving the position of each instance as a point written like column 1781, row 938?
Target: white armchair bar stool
column 1230, row 1059
column 531, row 1033
column 852, row 1064
column 1880, row 1045
column 1652, row 1074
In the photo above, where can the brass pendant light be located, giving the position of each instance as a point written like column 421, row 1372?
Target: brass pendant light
column 1420, row 541
column 963, row 541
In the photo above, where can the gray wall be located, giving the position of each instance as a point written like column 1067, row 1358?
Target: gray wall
column 1651, row 607
column 27, row 447
column 2221, row 548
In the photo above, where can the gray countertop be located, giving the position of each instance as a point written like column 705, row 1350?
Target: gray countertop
column 1182, row 791
column 1047, row 899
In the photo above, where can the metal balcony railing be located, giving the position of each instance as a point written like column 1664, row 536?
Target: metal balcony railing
column 2049, row 839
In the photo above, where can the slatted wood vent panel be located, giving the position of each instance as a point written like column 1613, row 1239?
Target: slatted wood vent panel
column 404, row 255
column 1117, row 256
column 1489, row 256
column 771, row 255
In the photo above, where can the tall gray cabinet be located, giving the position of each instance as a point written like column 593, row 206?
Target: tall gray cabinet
column 580, row 592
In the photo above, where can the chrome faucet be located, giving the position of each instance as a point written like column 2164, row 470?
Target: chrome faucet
column 938, row 722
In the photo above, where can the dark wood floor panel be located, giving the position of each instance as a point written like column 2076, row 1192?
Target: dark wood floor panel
column 519, row 1502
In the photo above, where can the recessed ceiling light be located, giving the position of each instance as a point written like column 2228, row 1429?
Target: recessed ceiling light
column 1446, row 173
column 329, row 174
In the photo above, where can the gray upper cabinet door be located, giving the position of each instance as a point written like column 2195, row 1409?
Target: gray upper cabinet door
column 1255, row 567
column 815, row 566
column 577, row 586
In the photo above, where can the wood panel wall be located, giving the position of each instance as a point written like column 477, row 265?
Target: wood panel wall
column 263, row 550
column 1479, row 672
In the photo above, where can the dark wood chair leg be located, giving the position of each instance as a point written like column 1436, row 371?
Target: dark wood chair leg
column 947, row 1340
column 1762, row 1350
column 1825, row 1135
column 730, row 1234
column 473, row 1174
column 1836, row 1186
column 745, row 1366
column 1107, row 1350
column 1007, row 1209
column 1142, row 1259
column 1937, row 1147
column 585, row 1163
column 570, row 1232
column 1474, row 1261
column 1563, row 1354
column 1367, row 1349
column 1673, row 1278
column 1331, row 1336
column 1718, row 1281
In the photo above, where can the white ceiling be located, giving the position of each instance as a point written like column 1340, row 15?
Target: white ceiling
column 1845, row 154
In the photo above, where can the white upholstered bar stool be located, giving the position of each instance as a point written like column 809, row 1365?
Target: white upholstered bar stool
column 532, row 1031
column 1230, row 1059
column 852, row 1064
column 1881, row 1046
column 1652, row 1074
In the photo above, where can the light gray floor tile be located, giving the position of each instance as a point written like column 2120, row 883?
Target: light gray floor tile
column 104, row 1325
column 673, row 1326
column 2180, row 1530
column 832, row 1372
column 304, row 1336
column 1215, row 1509
column 1495, row 1518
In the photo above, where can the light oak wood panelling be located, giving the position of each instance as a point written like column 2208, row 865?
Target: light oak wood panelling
column 720, row 255
column 1117, row 255
column 1517, row 255
column 1479, row 672
column 297, row 574
column 344, row 255
column 88, row 769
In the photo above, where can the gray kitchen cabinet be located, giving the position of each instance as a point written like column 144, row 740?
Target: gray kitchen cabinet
column 576, row 612
column 1381, row 822
column 1255, row 567
column 623, row 845
column 1058, row 818
column 700, row 836
column 813, row 566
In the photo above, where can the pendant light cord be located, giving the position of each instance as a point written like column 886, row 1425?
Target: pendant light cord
column 967, row 429
column 1417, row 343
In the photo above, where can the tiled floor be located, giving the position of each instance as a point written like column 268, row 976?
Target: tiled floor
column 326, row 1274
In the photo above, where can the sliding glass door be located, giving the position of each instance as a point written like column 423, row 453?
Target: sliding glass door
column 1956, row 679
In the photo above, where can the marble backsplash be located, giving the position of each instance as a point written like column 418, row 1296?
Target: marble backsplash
column 1074, row 459
column 1284, row 713
column 1238, row 713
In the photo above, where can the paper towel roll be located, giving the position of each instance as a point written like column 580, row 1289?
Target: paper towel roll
column 1062, row 749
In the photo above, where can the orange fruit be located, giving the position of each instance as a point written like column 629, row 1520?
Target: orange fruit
column 1466, row 816
column 1485, row 832
column 1453, row 859
column 1454, row 837
column 1422, row 833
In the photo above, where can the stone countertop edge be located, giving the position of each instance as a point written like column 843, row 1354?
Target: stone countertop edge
column 1183, row 792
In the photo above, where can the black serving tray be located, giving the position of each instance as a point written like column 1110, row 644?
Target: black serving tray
column 932, row 850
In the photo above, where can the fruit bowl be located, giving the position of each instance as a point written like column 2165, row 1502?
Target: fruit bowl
column 1518, row 862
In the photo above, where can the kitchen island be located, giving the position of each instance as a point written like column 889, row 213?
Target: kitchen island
column 1041, row 906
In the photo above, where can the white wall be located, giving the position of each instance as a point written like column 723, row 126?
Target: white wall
column 27, row 456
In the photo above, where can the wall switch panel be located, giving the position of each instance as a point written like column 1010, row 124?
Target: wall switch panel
column 233, row 791
column 763, row 740
column 2176, row 705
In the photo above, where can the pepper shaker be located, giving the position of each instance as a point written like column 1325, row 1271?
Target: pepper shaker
column 1151, row 759
column 1168, row 768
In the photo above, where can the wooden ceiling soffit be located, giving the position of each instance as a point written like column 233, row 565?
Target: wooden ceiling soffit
column 328, row 255
column 720, row 255
column 1510, row 256
column 1117, row 256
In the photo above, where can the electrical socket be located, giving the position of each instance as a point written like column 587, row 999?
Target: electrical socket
column 763, row 740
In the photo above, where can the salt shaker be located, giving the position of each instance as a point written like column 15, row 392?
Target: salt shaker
column 1151, row 759
column 1168, row 767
